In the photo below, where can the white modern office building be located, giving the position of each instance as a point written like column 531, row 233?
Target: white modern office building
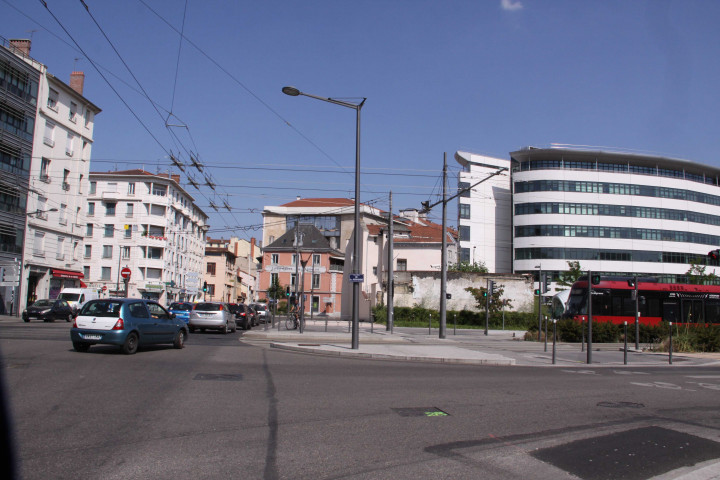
column 149, row 224
column 485, row 212
column 614, row 212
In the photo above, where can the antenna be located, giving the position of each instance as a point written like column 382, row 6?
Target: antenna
column 31, row 32
column 77, row 59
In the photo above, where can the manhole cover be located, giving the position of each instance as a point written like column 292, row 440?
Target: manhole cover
column 620, row 405
column 632, row 455
column 219, row 376
column 421, row 412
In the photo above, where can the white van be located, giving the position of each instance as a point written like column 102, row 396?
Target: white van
column 77, row 297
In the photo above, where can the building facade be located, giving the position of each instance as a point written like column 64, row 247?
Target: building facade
column 230, row 270
column 614, row 212
column 485, row 212
column 149, row 224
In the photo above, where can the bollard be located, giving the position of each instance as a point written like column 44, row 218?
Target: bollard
column 372, row 321
column 625, row 355
column 670, row 348
column 582, row 336
column 546, row 322
column 429, row 323
column 455, row 324
column 326, row 320
column 554, row 338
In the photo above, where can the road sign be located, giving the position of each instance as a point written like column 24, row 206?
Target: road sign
column 104, row 288
column 357, row 277
column 125, row 272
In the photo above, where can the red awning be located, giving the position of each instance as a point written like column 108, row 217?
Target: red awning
column 66, row 274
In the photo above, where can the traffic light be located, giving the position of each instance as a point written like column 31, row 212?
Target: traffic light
column 547, row 278
column 287, row 291
column 595, row 279
column 537, row 291
column 204, row 286
column 492, row 289
column 714, row 254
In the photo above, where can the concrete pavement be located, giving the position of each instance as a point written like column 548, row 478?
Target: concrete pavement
column 470, row 347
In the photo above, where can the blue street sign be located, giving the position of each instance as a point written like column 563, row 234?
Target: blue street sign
column 357, row 277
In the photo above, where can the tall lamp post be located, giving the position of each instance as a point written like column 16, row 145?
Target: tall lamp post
column 294, row 92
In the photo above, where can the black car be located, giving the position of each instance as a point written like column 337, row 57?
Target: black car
column 244, row 315
column 48, row 310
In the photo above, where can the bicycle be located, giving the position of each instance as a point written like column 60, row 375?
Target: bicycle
column 292, row 322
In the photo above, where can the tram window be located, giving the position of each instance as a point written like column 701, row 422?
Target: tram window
column 670, row 311
column 712, row 311
column 652, row 307
column 601, row 303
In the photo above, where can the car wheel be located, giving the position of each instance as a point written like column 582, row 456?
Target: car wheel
column 180, row 338
column 69, row 318
column 51, row 320
column 192, row 329
column 26, row 320
column 131, row 344
column 81, row 347
column 226, row 328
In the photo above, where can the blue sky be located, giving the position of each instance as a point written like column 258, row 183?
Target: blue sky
column 486, row 76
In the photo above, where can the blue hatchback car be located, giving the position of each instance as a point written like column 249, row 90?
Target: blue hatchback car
column 182, row 310
column 126, row 322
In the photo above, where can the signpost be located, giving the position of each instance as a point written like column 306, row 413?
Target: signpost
column 357, row 277
column 125, row 274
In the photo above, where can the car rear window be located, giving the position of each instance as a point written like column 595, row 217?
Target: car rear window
column 73, row 297
column 43, row 303
column 105, row 308
column 209, row 307
column 185, row 307
column 260, row 307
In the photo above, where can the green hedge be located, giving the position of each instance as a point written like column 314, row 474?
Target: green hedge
column 419, row 317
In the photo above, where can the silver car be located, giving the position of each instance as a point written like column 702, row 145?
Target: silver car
column 213, row 316
column 261, row 310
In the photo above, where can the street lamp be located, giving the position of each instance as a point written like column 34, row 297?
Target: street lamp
column 40, row 212
column 294, row 92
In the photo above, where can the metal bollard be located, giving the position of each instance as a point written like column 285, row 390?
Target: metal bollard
column 670, row 348
column 455, row 324
column 554, row 339
column 546, row 325
column 582, row 336
column 326, row 321
column 429, row 323
column 625, row 349
column 372, row 321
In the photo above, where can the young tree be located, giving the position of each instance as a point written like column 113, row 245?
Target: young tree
column 276, row 291
column 574, row 272
column 468, row 267
column 696, row 274
column 497, row 302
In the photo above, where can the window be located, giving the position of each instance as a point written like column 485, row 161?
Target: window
column 105, row 274
column 274, row 259
column 109, row 231
column 401, row 265
column 131, row 188
column 88, row 251
column 42, row 208
column 374, row 270
column 75, row 250
column 89, row 230
column 86, row 272
column 294, row 259
column 316, row 280
column 45, row 170
column 72, row 115
column 39, row 244
column 274, row 279
column 155, row 253
column 70, row 145
column 462, row 186
column 60, row 252
column 316, row 259
column 93, row 188
column 88, row 118
column 49, row 136
column 292, row 280
column 91, row 209
column 110, row 209
column 107, row 251
column 63, row 214
column 211, row 290
column 129, row 210
column 125, row 252
column 52, row 100
column 128, row 231
column 464, row 232
column 66, row 177
column 464, row 210
column 211, row 268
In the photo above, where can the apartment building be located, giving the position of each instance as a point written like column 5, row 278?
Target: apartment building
column 149, row 224
column 61, row 132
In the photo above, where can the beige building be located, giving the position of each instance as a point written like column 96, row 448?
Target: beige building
column 230, row 270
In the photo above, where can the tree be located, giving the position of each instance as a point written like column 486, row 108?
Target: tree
column 574, row 272
column 467, row 267
column 696, row 274
column 276, row 290
column 497, row 302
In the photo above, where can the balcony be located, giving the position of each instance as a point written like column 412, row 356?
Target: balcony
column 65, row 186
column 69, row 152
column 111, row 195
column 44, row 177
column 49, row 142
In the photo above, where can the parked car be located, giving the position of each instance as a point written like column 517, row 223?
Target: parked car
column 244, row 316
column 181, row 310
column 261, row 310
column 48, row 310
column 213, row 316
column 127, row 322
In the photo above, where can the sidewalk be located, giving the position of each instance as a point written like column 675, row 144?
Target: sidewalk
column 469, row 347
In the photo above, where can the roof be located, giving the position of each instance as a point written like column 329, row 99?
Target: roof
column 312, row 239
column 426, row 232
column 321, row 202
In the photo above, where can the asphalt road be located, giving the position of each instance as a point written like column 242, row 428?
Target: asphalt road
column 221, row 408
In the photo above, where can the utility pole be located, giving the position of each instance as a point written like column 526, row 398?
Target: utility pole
column 390, row 275
column 540, row 300
column 443, row 254
column 590, row 318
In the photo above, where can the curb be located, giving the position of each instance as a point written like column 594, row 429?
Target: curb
column 385, row 356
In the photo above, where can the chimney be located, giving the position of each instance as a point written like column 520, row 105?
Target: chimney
column 252, row 247
column 175, row 177
column 20, row 46
column 77, row 81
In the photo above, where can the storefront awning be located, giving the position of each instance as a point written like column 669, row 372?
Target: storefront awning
column 66, row 274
